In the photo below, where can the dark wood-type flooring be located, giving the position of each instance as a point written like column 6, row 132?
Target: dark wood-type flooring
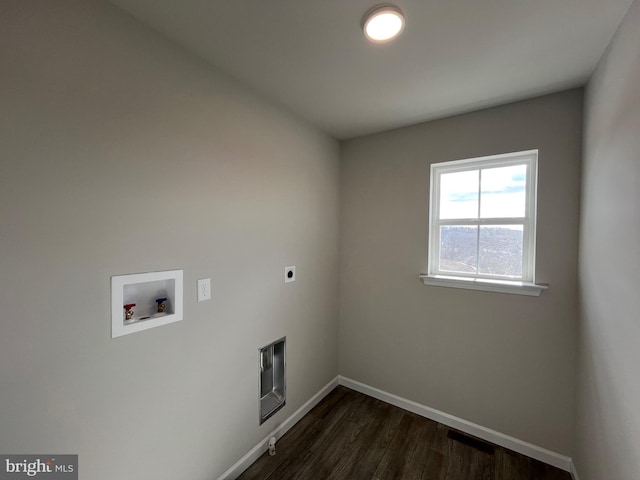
column 350, row 436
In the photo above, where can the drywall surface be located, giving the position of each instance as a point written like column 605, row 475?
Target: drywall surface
column 608, row 419
column 506, row 362
column 121, row 153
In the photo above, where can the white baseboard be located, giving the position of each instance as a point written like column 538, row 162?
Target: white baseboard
column 241, row 465
column 542, row 454
column 573, row 471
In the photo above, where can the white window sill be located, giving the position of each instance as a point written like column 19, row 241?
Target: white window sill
column 500, row 286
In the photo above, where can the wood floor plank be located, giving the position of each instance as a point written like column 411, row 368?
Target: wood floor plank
column 512, row 466
column 465, row 462
column 543, row 471
column 350, row 436
column 436, row 466
column 306, row 441
column 330, row 450
column 337, row 397
column 441, row 441
column 290, row 448
column 408, row 454
column 366, row 450
column 330, row 446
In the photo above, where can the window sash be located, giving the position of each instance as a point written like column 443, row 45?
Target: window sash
column 528, row 221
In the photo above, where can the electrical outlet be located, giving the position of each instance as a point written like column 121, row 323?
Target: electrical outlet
column 204, row 289
column 289, row 274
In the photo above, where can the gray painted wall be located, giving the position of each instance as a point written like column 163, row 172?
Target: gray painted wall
column 121, row 153
column 608, row 422
column 506, row 362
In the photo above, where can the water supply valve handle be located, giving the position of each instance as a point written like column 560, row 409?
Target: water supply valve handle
column 128, row 315
column 160, row 302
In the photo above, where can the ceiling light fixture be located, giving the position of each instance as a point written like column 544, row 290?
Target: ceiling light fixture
column 383, row 23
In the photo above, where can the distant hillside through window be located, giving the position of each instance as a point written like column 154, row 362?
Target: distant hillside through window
column 500, row 250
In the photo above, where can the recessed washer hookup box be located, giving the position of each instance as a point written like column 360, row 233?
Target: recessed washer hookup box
column 273, row 389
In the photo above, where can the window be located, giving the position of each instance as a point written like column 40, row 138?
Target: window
column 483, row 221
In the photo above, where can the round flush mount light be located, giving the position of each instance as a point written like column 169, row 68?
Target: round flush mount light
column 383, row 23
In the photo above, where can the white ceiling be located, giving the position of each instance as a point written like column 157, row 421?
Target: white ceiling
column 454, row 55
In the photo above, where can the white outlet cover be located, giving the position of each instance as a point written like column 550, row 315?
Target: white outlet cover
column 289, row 274
column 204, row 289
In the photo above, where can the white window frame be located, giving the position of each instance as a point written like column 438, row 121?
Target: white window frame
column 521, row 285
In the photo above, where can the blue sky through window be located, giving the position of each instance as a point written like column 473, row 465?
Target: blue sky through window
column 502, row 193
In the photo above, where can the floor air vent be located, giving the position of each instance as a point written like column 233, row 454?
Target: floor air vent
column 472, row 442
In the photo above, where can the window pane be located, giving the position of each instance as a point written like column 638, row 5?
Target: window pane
column 503, row 192
column 501, row 250
column 458, row 248
column 459, row 195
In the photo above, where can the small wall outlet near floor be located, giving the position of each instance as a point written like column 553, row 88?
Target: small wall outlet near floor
column 289, row 274
column 204, row 289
